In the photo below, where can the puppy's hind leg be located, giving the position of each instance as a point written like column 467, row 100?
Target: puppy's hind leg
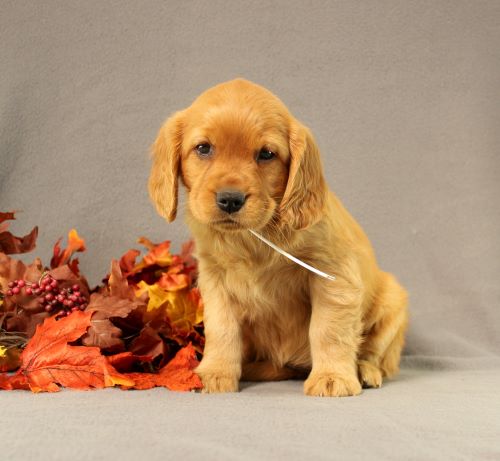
column 380, row 351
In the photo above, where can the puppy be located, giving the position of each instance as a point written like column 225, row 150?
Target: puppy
column 247, row 163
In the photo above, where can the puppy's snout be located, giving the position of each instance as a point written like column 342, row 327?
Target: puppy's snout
column 230, row 201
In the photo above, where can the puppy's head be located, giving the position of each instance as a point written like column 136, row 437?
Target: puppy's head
column 245, row 162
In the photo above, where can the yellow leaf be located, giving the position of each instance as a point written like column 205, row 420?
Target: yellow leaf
column 110, row 381
column 183, row 307
column 157, row 296
column 182, row 311
column 3, row 351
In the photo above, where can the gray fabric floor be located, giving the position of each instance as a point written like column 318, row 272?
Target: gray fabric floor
column 445, row 409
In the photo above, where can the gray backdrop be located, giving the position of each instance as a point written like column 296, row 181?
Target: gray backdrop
column 403, row 97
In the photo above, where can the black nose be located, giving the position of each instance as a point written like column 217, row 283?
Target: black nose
column 230, row 201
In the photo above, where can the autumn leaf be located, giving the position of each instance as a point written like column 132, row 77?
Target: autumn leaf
column 157, row 296
column 181, row 306
column 111, row 306
column 143, row 313
column 158, row 255
column 62, row 257
column 9, row 243
column 174, row 279
column 10, row 382
column 127, row 261
column 67, row 277
column 125, row 361
column 102, row 332
column 7, row 216
column 150, row 343
column 48, row 361
column 12, row 269
column 118, row 283
column 24, row 321
column 9, row 358
column 177, row 375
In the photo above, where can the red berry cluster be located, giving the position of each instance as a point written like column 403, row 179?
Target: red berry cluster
column 52, row 297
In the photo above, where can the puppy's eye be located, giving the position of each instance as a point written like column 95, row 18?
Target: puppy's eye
column 265, row 154
column 204, row 149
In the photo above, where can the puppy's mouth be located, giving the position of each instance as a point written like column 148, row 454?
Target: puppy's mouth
column 227, row 224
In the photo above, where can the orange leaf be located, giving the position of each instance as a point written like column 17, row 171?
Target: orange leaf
column 7, row 216
column 125, row 360
column 48, row 360
column 158, row 254
column 174, row 279
column 16, row 381
column 127, row 261
column 75, row 243
column 177, row 375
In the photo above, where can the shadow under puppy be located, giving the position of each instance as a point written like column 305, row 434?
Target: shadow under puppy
column 247, row 163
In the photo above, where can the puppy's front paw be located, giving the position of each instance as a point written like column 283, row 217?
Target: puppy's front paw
column 331, row 385
column 215, row 381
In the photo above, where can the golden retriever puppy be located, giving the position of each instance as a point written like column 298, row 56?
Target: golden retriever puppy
column 247, row 163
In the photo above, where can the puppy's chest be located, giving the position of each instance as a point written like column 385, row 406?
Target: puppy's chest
column 259, row 289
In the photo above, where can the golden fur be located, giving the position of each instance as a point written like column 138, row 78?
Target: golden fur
column 267, row 318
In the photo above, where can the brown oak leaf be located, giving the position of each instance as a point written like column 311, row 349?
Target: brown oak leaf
column 150, row 343
column 102, row 332
column 9, row 243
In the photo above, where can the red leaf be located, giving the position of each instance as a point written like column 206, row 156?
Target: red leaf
column 48, row 360
column 7, row 216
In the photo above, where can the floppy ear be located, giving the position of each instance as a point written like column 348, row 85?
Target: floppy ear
column 163, row 180
column 306, row 191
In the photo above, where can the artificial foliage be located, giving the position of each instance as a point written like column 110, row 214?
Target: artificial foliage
column 141, row 327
